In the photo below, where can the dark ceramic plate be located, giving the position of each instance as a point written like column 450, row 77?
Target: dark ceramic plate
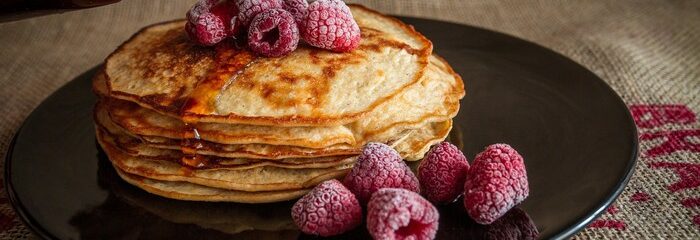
column 577, row 137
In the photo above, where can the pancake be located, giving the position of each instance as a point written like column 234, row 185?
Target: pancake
column 160, row 69
column 99, row 84
column 435, row 98
column 143, row 121
column 420, row 141
column 417, row 141
column 194, row 192
column 265, row 178
column 134, row 148
column 257, row 151
column 411, row 144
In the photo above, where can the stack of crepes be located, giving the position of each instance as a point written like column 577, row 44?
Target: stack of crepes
column 222, row 124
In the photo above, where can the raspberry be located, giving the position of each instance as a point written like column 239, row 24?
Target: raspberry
column 442, row 173
column 207, row 30
column 394, row 213
column 379, row 166
column 330, row 25
column 329, row 209
column 248, row 9
column 496, row 182
column 273, row 33
column 228, row 11
column 297, row 8
column 199, row 8
column 225, row 10
column 515, row 224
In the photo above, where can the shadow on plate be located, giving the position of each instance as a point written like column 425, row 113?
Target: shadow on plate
column 131, row 213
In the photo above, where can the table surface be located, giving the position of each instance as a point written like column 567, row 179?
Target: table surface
column 648, row 51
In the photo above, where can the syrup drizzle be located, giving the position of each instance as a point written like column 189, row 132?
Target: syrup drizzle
column 190, row 145
column 229, row 61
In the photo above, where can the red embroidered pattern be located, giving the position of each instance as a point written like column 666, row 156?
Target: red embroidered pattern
column 647, row 118
column 688, row 174
column 674, row 141
column 651, row 116
column 691, row 202
column 640, row 197
column 612, row 224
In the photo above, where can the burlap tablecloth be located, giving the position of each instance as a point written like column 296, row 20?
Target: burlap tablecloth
column 648, row 51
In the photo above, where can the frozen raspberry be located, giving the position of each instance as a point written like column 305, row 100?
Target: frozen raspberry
column 514, row 225
column 330, row 25
column 379, row 166
column 273, row 33
column 329, row 209
column 442, row 173
column 394, row 213
column 226, row 11
column 496, row 182
column 297, row 8
column 199, row 8
column 207, row 30
column 248, row 9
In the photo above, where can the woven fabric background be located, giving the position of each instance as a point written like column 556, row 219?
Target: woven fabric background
column 648, row 51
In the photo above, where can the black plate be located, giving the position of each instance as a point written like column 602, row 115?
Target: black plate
column 577, row 137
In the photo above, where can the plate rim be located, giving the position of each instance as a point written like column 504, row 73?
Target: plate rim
column 16, row 204
column 565, row 233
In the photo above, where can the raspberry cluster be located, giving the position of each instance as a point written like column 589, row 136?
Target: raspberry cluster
column 274, row 27
column 494, row 184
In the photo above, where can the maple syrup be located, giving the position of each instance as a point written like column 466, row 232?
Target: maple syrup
column 190, row 144
column 229, row 60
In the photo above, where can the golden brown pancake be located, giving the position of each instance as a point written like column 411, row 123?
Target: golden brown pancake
column 266, row 178
column 143, row 121
column 194, row 192
column 256, row 151
column 161, row 69
column 435, row 98
column 420, row 140
column 133, row 147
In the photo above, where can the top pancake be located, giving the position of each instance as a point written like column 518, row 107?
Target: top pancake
column 435, row 98
column 159, row 68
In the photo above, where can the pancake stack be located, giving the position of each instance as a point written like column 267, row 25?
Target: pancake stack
column 222, row 124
